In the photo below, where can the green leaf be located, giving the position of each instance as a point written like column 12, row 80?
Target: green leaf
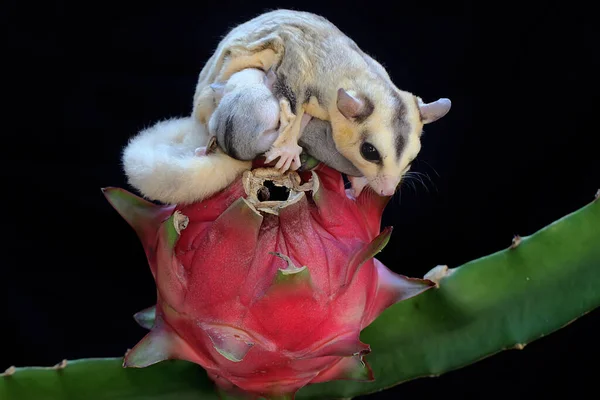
column 498, row 302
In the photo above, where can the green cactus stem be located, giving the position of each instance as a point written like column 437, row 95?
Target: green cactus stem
column 498, row 302
column 354, row 369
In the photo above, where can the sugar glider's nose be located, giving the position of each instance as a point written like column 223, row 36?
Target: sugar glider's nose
column 388, row 186
column 388, row 191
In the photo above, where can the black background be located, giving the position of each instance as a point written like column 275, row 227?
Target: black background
column 515, row 153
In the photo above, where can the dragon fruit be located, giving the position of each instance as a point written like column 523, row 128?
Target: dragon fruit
column 267, row 295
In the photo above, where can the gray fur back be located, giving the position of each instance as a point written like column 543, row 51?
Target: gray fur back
column 240, row 121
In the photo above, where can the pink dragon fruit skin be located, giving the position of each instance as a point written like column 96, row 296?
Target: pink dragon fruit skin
column 265, row 303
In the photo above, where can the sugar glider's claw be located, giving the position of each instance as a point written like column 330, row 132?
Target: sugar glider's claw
column 200, row 151
column 269, row 156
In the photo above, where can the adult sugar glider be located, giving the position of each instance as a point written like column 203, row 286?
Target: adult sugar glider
column 322, row 73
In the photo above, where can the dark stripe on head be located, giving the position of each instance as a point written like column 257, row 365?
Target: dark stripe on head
column 400, row 125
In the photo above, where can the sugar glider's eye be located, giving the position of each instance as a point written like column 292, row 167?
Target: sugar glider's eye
column 369, row 152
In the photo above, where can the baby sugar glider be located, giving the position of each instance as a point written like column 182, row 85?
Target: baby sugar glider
column 246, row 119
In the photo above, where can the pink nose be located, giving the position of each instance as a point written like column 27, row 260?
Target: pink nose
column 388, row 191
column 387, row 186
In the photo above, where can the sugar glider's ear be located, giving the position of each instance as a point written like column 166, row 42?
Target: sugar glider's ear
column 218, row 89
column 212, row 145
column 270, row 78
column 352, row 106
column 431, row 112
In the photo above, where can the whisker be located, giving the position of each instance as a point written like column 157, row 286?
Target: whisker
column 430, row 180
column 397, row 194
column 411, row 183
column 429, row 165
column 418, row 175
column 400, row 195
column 409, row 179
column 347, row 183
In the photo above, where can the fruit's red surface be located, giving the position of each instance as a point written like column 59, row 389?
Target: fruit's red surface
column 264, row 323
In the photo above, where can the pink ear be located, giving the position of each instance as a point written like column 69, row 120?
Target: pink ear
column 349, row 105
column 431, row 112
column 211, row 146
column 218, row 88
column 270, row 78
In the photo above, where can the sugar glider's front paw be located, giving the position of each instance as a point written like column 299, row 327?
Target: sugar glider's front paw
column 358, row 184
column 285, row 147
column 289, row 156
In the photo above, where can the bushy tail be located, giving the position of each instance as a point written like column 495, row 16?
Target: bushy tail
column 161, row 164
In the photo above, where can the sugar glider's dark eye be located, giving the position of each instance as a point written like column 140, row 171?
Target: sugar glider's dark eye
column 369, row 152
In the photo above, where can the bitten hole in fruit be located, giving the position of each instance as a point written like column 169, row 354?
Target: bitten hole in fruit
column 271, row 192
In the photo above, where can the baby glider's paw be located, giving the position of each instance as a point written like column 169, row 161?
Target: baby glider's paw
column 289, row 156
